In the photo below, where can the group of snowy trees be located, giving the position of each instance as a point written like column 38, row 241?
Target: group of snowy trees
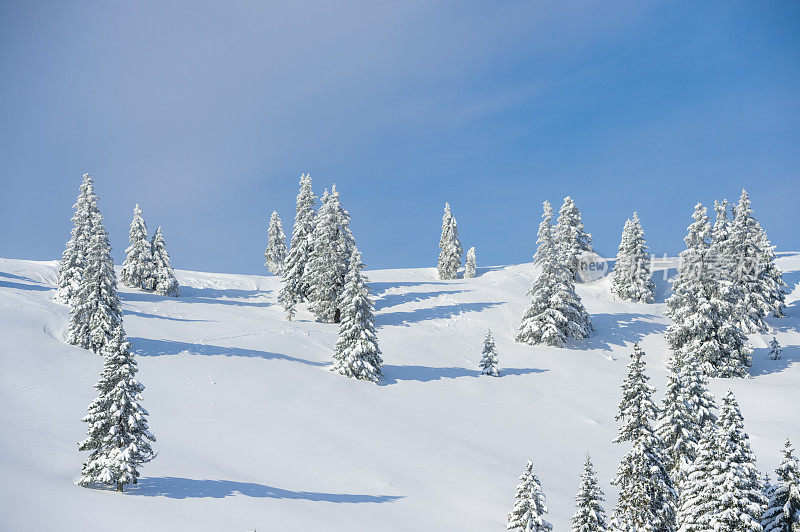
column 555, row 312
column 450, row 250
column 323, row 267
column 689, row 468
column 146, row 264
column 118, row 438
column 727, row 285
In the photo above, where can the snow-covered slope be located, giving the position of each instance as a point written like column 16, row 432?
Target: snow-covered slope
column 254, row 432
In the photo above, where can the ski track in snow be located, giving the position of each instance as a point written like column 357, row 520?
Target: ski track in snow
column 255, row 432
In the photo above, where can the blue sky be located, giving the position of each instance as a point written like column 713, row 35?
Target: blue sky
column 206, row 113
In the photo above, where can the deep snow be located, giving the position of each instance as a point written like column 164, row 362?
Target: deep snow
column 254, row 432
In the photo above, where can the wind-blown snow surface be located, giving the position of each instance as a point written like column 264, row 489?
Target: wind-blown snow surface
column 255, row 432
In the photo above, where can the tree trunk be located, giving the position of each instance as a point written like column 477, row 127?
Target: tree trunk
column 119, row 486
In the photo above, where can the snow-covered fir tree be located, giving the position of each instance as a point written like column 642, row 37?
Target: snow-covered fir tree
column 469, row 265
column 356, row 353
column 631, row 278
column 94, row 309
column 488, row 363
column 699, row 496
column 647, row 498
column 529, row 504
column 276, row 245
column 590, row 517
column 735, row 476
column 763, row 291
column 332, row 244
column 688, row 408
column 118, row 438
column 73, row 258
column 450, row 249
column 773, row 277
column 166, row 283
column 138, row 270
column 774, row 349
column 570, row 235
column 783, row 509
column 295, row 287
column 555, row 312
column 703, row 309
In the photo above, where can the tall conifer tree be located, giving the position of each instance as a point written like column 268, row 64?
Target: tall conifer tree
column 646, row 498
column 95, row 310
column 529, row 504
column 166, row 283
column 73, row 259
column 118, row 438
column 590, row 517
column 783, row 510
column 276, row 245
column 555, row 312
column 631, row 280
column 138, row 270
column 357, row 354
column 450, row 249
column 296, row 287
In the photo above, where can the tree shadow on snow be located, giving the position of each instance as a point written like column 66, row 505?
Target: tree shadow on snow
column 620, row 329
column 158, row 317
column 231, row 296
column 792, row 279
column 23, row 286
column 148, row 347
column 189, row 488
column 764, row 365
column 393, row 374
column 432, row 313
column 18, row 277
column 378, row 287
column 391, row 300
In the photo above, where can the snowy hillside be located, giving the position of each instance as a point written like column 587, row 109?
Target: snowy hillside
column 254, row 432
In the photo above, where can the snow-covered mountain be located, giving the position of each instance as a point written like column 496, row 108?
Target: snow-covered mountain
column 255, row 432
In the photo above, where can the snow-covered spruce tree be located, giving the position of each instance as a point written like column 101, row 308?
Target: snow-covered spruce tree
column 117, row 439
column 488, row 362
column 647, row 498
column 356, row 353
column 774, row 349
column 276, row 245
column 469, row 265
column 450, row 249
column 590, row 517
column 773, row 277
column 166, row 284
column 703, row 308
column 332, row 244
column 73, row 258
column 529, row 504
column 631, row 280
column 688, row 407
column 763, row 291
column 138, row 270
column 295, row 287
column 570, row 235
column 555, row 312
column 95, row 310
column 699, row 497
column 735, row 476
column 783, row 509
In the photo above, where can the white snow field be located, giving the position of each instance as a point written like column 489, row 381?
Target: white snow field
column 255, row 433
